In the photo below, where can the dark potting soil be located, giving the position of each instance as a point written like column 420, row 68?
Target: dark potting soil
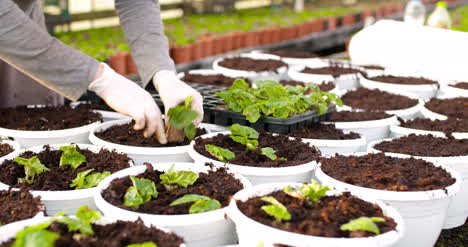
column 118, row 234
column 47, row 118
column 377, row 171
column 455, row 237
column 5, row 149
column 126, row 135
column 18, row 205
column 447, row 126
column 94, row 106
column 217, row 184
column 335, row 71
column 403, row 80
column 291, row 53
column 249, row 64
column 318, row 219
column 376, row 100
column 325, row 86
column 353, row 116
column 373, row 67
column 324, row 132
column 461, row 85
column 455, row 108
column 60, row 177
column 425, row 145
column 295, row 152
column 215, row 80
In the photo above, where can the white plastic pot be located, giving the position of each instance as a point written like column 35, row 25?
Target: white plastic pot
column 251, row 233
column 447, row 91
column 140, row 154
column 399, row 131
column 423, row 212
column 457, row 212
column 203, row 229
column 8, row 227
column 426, row 113
column 57, row 201
column 16, row 147
column 331, row 147
column 424, row 92
column 107, row 116
column 251, row 75
column 292, row 60
column 259, row 175
column 9, row 231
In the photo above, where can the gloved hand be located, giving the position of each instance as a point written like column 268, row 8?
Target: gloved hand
column 128, row 98
column 173, row 92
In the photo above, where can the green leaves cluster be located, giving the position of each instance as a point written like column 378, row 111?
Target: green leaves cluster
column 244, row 135
column 312, row 192
column 363, row 224
column 145, row 244
column 270, row 98
column 201, row 203
column 71, row 156
column 141, row 192
column 222, row 154
column 32, row 168
column 86, row 180
column 84, row 216
column 181, row 178
column 182, row 116
column 276, row 209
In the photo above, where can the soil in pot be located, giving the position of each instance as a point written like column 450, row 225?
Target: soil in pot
column 354, row 116
column 461, row 85
column 126, row 135
column 425, row 145
column 214, row 80
column 454, row 237
column 373, row 67
column 294, row 152
column 218, row 184
column 323, row 218
column 118, row 234
column 249, row 64
column 59, row 178
column 376, row 100
column 47, row 118
column 334, row 71
column 403, row 80
column 94, row 106
column 324, row 132
column 455, row 108
column 325, row 86
column 5, row 149
column 18, row 205
column 447, row 126
column 377, row 171
column 292, row 53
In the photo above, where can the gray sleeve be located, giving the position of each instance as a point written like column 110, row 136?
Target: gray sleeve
column 144, row 31
column 24, row 45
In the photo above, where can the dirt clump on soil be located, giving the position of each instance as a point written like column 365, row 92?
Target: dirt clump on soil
column 455, row 108
column 214, row 80
column 322, row 219
column 295, row 152
column 376, row 100
column 292, row 53
column 334, row 71
column 47, row 118
column 60, row 177
column 403, row 80
column 324, row 132
column 425, row 145
column 377, row 171
column 5, row 149
column 461, row 85
column 126, row 135
column 249, row 64
column 18, row 205
column 354, row 116
column 447, row 126
column 217, row 184
column 118, row 234
column 325, row 86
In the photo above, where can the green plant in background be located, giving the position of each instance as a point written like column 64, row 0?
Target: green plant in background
column 276, row 209
column 84, row 216
column 363, row 224
column 201, row 203
column 32, row 168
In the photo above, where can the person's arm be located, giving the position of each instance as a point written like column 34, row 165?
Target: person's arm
column 29, row 48
column 144, row 31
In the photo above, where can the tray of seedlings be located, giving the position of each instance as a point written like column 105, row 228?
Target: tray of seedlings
column 19, row 205
column 444, row 108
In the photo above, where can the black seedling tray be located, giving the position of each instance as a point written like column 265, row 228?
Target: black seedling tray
column 215, row 114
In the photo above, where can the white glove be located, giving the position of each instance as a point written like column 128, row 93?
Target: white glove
column 173, row 92
column 128, row 98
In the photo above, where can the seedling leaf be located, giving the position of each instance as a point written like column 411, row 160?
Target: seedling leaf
column 82, row 222
column 270, row 153
column 182, row 116
column 244, row 135
column 32, row 167
column 222, row 154
column 201, row 203
column 363, row 224
column 83, row 180
column 276, row 209
column 312, row 192
column 182, row 178
column 141, row 192
column 71, row 156
column 145, row 244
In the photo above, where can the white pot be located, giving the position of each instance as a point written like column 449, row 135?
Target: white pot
column 140, row 154
column 292, row 60
column 457, row 212
column 199, row 72
column 331, row 147
column 259, row 175
column 423, row 212
column 204, row 229
column 371, row 130
column 8, row 232
column 251, row 233
column 424, row 92
column 426, row 113
column 15, row 145
column 107, row 116
column 9, row 227
column 67, row 200
column 399, row 131
column 446, row 91
column 251, row 75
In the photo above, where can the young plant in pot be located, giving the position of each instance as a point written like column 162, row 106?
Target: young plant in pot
column 456, row 127
column 86, row 228
column 40, row 125
column 312, row 215
column 187, row 199
column 19, row 205
column 442, row 109
column 63, row 175
column 121, row 136
column 419, row 190
column 262, row 157
column 448, row 151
